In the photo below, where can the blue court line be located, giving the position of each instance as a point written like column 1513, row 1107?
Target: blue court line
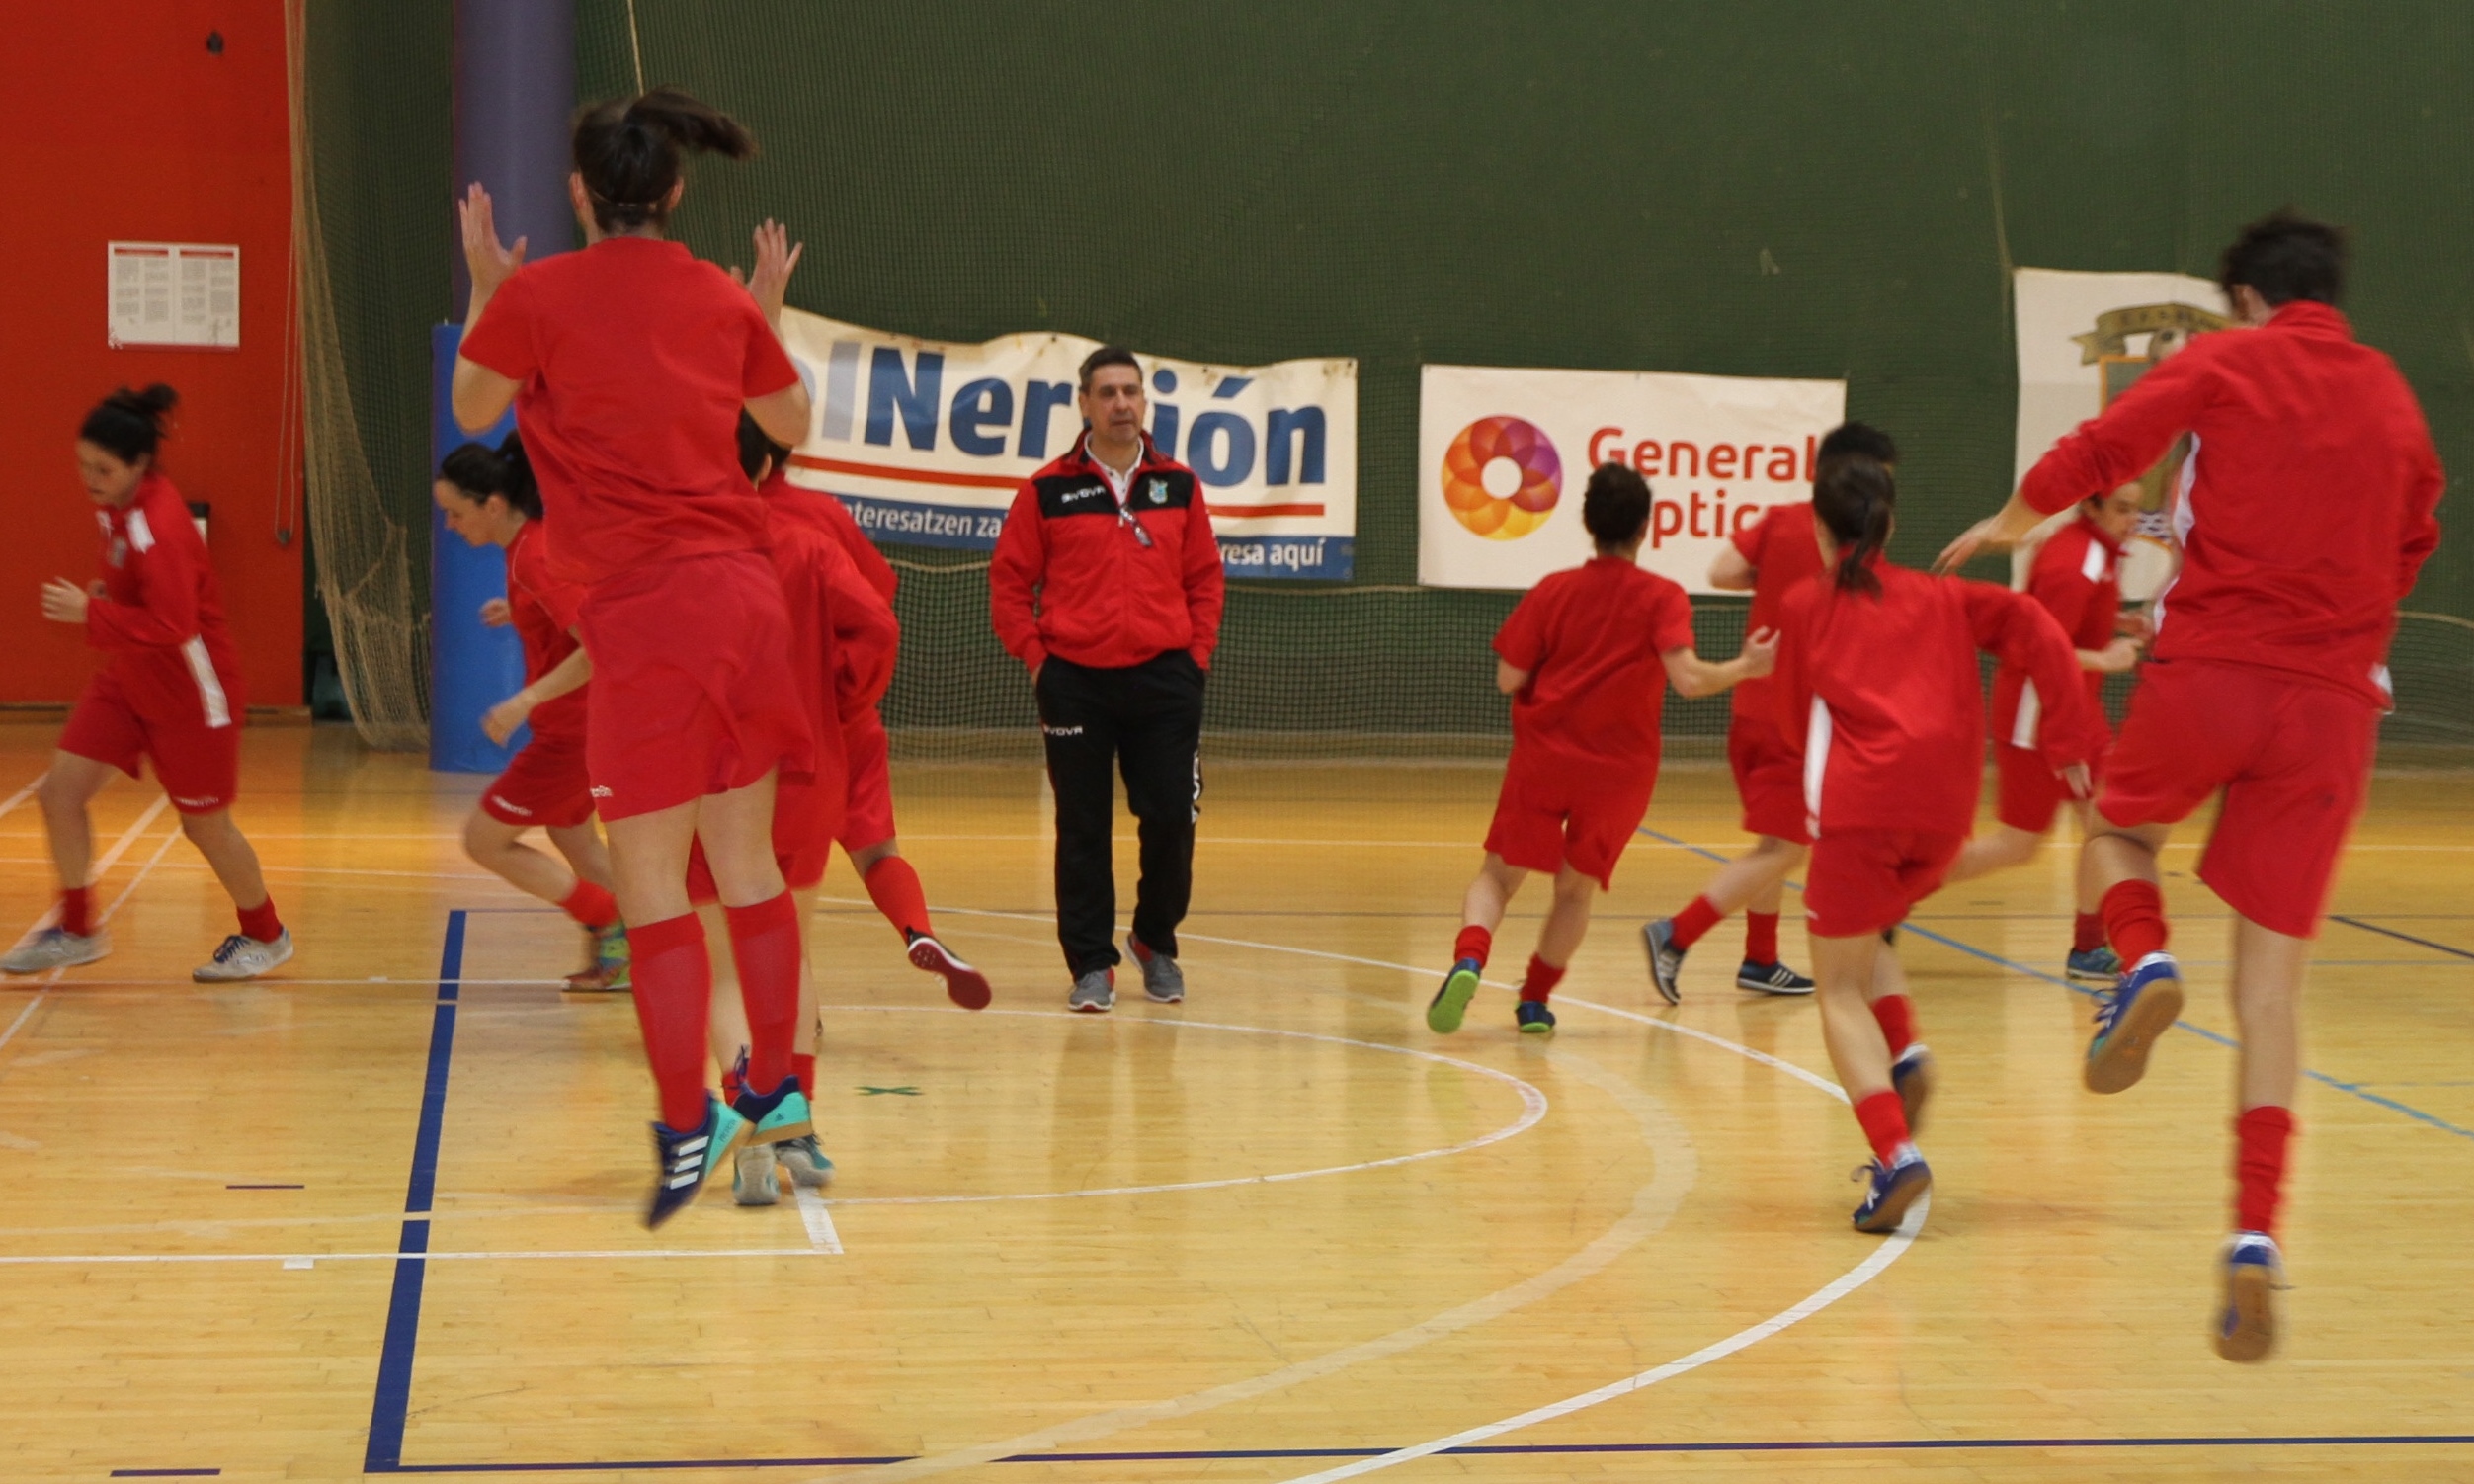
column 392, row 1400
column 2354, row 1088
column 2356, row 921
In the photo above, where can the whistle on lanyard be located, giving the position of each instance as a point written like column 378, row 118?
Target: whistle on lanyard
column 1126, row 514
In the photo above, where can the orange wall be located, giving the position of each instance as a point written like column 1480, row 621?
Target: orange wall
column 126, row 127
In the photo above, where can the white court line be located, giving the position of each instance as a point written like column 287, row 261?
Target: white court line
column 23, row 1015
column 820, row 1233
column 613, row 1254
column 24, row 794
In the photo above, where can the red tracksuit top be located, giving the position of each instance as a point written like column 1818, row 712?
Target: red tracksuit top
column 2306, row 510
column 829, row 515
column 1882, row 695
column 850, row 610
column 160, row 618
column 543, row 611
column 2077, row 577
column 1106, row 599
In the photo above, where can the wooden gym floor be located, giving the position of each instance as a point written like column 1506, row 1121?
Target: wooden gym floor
column 379, row 1214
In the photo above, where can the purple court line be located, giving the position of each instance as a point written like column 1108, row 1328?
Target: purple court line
column 2354, row 1088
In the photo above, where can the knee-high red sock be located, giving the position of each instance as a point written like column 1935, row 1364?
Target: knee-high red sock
column 1541, row 980
column 1761, row 936
column 2134, row 919
column 76, row 911
column 1897, row 1015
column 1886, row 1125
column 674, row 991
column 1475, row 943
column 1694, row 920
column 591, row 905
column 2261, row 1135
column 765, row 940
column 2087, row 932
column 803, row 1067
column 260, row 921
column 894, row 887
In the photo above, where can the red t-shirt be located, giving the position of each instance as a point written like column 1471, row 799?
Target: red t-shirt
column 1783, row 552
column 1592, row 638
column 161, row 614
column 543, row 611
column 1882, row 695
column 2306, row 510
column 636, row 360
column 2077, row 577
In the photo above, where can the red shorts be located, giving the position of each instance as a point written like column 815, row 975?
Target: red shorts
column 2031, row 792
column 1553, row 814
column 198, row 766
column 692, row 688
column 1768, row 779
column 803, row 823
column 545, row 784
column 869, row 818
column 1866, row 880
column 2292, row 757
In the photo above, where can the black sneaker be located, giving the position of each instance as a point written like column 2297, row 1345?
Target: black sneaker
column 1533, row 1018
column 1772, row 979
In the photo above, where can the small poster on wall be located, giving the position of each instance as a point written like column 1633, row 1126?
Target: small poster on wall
column 174, row 293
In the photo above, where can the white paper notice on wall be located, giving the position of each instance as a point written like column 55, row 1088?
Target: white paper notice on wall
column 175, row 293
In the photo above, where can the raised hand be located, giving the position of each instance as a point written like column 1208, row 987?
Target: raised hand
column 776, row 256
column 489, row 263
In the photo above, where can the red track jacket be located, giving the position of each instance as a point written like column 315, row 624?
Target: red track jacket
column 161, row 614
column 1106, row 596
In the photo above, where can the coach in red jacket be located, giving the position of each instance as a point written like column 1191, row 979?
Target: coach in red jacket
column 1107, row 585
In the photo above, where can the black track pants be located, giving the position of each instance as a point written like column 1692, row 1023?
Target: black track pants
column 1145, row 720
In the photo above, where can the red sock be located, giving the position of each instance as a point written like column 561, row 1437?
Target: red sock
column 2261, row 1134
column 591, row 905
column 1541, row 980
column 1475, row 943
column 75, row 911
column 1693, row 921
column 2134, row 919
column 674, row 991
column 2087, row 932
column 1761, row 936
column 894, row 887
column 260, row 921
column 1897, row 1015
column 765, row 940
column 1886, row 1125
column 803, row 1067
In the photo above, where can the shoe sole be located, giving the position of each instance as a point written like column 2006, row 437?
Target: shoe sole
column 1450, row 1005
column 1668, row 989
column 202, row 976
column 1087, row 1009
column 2249, row 1302
column 753, row 1178
column 963, row 985
column 2116, row 1064
column 49, row 968
column 2088, row 976
column 803, row 1174
column 1914, row 1093
column 1537, row 1027
column 595, row 984
column 1894, row 1210
column 1789, row 992
column 1177, row 998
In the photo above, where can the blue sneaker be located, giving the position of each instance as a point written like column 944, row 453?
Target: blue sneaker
column 1894, row 1188
column 1911, row 1077
column 2246, row 1325
column 2097, row 965
column 1450, row 1004
column 2142, row 1007
column 1533, row 1018
column 687, row 1158
column 1666, row 960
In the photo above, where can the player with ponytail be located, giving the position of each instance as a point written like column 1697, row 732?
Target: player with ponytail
column 627, row 365
column 170, row 691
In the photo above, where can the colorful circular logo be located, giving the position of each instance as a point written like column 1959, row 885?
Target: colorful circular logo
column 1525, row 447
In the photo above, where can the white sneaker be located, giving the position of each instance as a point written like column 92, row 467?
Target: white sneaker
column 55, row 947
column 244, row 957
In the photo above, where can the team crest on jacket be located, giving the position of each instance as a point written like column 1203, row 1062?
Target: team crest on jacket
column 1159, row 491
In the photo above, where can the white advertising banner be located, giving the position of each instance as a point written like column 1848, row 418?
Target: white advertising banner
column 2082, row 339
column 1504, row 454
column 926, row 440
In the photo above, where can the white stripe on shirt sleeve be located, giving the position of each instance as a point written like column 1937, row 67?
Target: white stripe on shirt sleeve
column 219, row 708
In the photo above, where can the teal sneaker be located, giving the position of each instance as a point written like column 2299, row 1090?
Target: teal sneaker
column 1450, row 1004
column 608, row 973
column 686, row 1158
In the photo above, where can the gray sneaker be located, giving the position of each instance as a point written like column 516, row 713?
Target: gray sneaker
column 53, row 947
column 806, row 1159
column 753, row 1180
column 241, row 956
column 1163, row 982
column 1666, row 960
column 1095, row 993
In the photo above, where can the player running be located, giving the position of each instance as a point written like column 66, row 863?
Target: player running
column 1769, row 558
column 1585, row 658
column 628, row 364
column 2302, row 527
column 488, row 497
column 170, row 691
column 1878, row 681
column 2076, row 576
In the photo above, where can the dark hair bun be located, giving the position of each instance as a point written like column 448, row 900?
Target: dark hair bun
column 129, row 425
